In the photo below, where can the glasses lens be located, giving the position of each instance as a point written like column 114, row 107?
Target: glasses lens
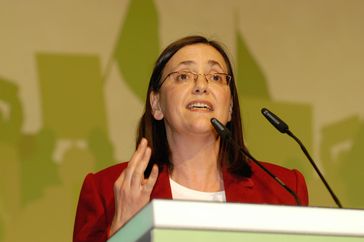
column 220, row 78
column 182, row 76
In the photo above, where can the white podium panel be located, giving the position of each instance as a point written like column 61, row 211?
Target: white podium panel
column 170, row 220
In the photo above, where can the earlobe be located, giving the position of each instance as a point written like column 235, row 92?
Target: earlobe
column 155, row 105
column 230, row 111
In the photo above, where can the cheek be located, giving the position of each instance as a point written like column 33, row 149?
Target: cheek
column 171, row 101
column 225, row 101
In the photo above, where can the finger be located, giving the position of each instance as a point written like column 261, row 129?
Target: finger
column 143, row 163
column 148, row 187
column 138, row 174
column 118, row 184
column 138, row 154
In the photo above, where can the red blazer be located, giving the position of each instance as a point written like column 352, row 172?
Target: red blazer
column 96, row 206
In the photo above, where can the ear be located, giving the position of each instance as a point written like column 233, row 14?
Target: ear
column 230, row 110
column 154, row 103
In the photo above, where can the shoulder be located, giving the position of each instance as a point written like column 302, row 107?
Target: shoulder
column 106, row 177
column 95, row 208
column 277, row 170
column 112, row 171
column 291, row 177
column 100, row 184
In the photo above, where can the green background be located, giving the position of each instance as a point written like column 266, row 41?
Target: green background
column 73, row 77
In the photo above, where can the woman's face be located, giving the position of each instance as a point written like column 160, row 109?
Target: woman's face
column 186, row 104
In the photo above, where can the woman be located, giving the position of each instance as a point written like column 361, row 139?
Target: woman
column 179, row 155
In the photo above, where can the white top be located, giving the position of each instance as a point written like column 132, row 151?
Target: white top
column 180, row 192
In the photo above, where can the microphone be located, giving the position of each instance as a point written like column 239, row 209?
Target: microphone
column 283, row 128
column 275, row 121
column 226, row 135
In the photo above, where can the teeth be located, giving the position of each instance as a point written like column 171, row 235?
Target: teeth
column 199, row 106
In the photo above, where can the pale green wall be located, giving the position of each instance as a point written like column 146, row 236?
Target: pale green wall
column 73, row 76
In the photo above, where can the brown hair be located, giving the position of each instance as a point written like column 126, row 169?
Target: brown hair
column 154, row 130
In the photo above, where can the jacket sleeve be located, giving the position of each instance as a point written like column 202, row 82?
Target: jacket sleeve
column 90, row 222
column 301, row 188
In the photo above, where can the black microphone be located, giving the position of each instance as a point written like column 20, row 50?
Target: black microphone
column 225, row 134
column 283, row 128
column 275, row 121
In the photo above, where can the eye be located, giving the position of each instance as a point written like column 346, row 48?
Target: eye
column 216, row 77
column 183, row 76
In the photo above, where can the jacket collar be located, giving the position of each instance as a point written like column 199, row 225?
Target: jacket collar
column 235, row 188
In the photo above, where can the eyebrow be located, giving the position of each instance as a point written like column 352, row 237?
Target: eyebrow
column 190, row 62
column 187, row 63
column 213, row 63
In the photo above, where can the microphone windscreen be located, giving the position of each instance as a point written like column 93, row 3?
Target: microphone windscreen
column 275, row 120
column 221, row 129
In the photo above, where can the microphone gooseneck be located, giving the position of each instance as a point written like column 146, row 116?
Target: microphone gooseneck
column 225, row 134
column 283, row 128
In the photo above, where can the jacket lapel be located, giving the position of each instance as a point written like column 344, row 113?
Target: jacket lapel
column 238, row 189
column 162, row 188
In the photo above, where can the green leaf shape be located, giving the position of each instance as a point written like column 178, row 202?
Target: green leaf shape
column 38, row 169
column 1, row 229
column 343, row 163
column 10, row 125
column 73, row 101
column 101, row 147
column 138, row 45
column 251, row 81
column 353, row 170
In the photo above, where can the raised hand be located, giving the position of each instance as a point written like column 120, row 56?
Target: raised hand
column 131, row 190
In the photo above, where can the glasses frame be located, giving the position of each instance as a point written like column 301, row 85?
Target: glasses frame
column 196, row 75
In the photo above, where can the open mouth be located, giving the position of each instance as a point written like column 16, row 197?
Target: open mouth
column 198, row 105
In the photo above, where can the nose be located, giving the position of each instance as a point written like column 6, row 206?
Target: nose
column 201, row 85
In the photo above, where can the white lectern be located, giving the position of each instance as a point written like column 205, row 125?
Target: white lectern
column 187, row 221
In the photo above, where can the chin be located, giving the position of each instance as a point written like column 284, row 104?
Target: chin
column 201, row 125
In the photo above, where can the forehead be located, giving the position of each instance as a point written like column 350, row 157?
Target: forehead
column 196, row 54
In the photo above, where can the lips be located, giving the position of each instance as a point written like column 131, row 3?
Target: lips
column 200, row 105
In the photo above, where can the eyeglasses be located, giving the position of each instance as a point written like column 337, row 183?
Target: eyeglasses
column 187, row 76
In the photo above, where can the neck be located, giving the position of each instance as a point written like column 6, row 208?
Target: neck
column 195, row 163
